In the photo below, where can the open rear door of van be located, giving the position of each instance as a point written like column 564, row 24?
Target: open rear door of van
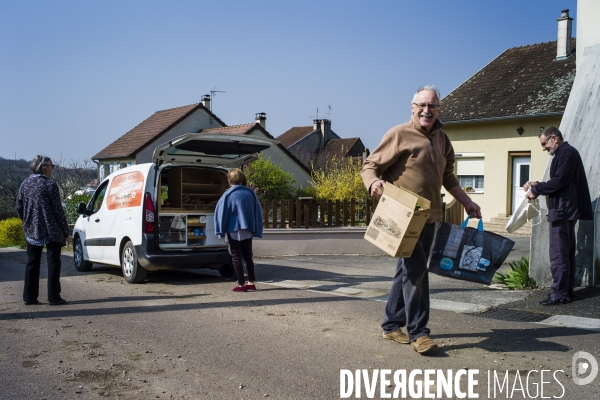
column 224, row 150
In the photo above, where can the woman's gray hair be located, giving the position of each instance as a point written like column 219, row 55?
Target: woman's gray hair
column 38, row 163
column 431, row 88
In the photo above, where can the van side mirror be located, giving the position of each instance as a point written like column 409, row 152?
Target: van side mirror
column 82, row 209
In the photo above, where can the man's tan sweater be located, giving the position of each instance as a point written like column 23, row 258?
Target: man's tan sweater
column 411, row 158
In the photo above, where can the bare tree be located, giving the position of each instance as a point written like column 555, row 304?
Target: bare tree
column 12, row 173
column 70, row 176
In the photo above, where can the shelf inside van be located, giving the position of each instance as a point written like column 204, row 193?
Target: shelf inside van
column 203, row 195
column 202, row 185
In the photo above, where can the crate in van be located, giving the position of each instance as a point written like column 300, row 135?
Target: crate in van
column 160, row 215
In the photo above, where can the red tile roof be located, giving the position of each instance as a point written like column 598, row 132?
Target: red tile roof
column 520, row 81
column 234, row 129
column 245, row 129
column 148, row 130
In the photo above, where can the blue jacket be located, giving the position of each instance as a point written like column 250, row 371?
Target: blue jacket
column 567, row 190
column 238, row 209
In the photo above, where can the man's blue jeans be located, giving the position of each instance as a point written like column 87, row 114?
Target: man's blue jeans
column 408, row 302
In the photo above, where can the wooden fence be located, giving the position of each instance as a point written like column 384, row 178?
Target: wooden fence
column 310, row 213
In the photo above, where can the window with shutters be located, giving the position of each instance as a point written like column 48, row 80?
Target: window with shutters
column 469, row 171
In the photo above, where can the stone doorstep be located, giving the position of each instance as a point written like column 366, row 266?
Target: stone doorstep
column 498, row 225
column 524, row 229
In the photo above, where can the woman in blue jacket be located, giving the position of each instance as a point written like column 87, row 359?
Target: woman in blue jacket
column 239, row 216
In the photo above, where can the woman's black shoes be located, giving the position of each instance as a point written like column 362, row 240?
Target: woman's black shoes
column 58, row 302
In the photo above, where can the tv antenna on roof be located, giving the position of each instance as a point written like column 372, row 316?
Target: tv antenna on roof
column 328, row 113
column 313, row 117
column 213, row 93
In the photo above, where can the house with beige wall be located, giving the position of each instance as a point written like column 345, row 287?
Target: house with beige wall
column 495, row 117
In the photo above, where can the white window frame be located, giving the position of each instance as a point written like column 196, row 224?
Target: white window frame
column 475, row 170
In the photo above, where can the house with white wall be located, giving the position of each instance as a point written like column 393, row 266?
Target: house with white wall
column 137, row 146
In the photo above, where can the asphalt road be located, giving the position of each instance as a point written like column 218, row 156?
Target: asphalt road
column 186, row 335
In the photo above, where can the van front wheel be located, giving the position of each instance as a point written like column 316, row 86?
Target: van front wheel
column 80, row 263
column 133, row 272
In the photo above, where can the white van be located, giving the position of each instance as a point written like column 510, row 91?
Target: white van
column 160, row 215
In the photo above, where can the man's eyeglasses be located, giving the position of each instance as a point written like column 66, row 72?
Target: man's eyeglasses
column 50, row 165
column 544, row 143
column 421, row 106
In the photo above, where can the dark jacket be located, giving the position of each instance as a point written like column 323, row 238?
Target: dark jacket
column 40, row 208
column 567, row 190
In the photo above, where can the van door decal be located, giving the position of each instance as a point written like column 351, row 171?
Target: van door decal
column 125, row 191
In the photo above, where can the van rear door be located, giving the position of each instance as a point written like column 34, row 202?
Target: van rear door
column 226, row 150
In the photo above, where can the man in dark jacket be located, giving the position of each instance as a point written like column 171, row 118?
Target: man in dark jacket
column 568, row 198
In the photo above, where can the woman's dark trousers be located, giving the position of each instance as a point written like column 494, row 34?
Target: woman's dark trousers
column 241, row 250
column 32, row 272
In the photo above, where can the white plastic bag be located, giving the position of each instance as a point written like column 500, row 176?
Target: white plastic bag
column 527, row 210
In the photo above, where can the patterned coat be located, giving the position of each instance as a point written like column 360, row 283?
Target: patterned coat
column 40, row 208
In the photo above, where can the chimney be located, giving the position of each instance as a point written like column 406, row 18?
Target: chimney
column 325, row 125
column 563, row 44
column 206, row 101
column 261, row 119
column 316, row 124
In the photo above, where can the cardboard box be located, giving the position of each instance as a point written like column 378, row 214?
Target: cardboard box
column 396, row 226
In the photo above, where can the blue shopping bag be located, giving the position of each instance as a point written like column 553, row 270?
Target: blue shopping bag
column 466, row 253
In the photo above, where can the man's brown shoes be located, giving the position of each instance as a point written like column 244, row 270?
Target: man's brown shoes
column 423, row 344
column 397, row 336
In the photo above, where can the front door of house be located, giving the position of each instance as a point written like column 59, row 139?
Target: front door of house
column 521, row 167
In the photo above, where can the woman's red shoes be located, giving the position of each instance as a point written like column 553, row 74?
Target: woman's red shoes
column 240, row 289
column 250, row 287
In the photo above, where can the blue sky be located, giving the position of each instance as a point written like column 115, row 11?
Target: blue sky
column 76, row 75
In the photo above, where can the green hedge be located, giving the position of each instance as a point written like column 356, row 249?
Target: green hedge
column 11, row 233
column 71, row 206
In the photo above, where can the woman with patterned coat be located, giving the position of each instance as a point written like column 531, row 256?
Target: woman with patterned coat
column 44, row 224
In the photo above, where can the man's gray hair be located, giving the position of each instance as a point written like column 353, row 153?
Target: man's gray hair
column 431, row 88
column 551, row 131
column 38, row 163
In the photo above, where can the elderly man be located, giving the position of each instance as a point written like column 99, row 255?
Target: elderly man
column 568, row 200
column 418, row 156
